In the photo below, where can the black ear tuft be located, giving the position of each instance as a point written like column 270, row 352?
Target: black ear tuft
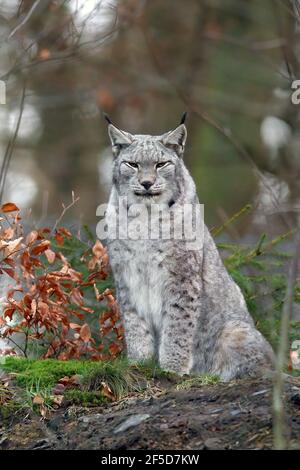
column 107, row 119
column 183, row 119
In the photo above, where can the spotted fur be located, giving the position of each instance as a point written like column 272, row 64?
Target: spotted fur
column 178, row 304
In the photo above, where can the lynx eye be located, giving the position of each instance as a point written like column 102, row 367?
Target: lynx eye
column 162, row 164
column 132, row 165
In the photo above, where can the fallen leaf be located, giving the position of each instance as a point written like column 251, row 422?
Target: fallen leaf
column 44, row 412
column 57, row 399
column 107, row 392
column 58, row 389
column 38, row 400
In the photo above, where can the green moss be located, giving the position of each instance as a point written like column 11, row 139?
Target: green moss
column 9, row 410
column 47, row 372
column 198, row 381
column 40, row 376
column 9, row 404
column 84, row 398
column 151, row 370
column 5, row 394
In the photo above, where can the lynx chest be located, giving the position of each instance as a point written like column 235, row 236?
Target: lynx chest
column 145, row 277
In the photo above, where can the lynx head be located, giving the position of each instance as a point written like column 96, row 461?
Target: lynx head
column 147, row 168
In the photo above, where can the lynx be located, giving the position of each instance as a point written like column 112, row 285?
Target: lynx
column 178, row 304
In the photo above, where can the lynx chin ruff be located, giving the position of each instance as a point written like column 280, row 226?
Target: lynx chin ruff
column 177, row 304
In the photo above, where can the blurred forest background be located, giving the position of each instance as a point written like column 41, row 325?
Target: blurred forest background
column 230, row 64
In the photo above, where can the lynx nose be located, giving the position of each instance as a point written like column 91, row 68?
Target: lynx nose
column 147, row 184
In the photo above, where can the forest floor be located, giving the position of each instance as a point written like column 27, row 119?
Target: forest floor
column 165, row 415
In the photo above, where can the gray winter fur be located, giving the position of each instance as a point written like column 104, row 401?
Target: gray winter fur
column 178, row 304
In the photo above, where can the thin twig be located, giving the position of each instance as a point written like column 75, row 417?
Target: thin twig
column 10, row 340
column 10, row 146
column 216, row 231
column 280, row 438
column 25, row 19
column 65, row 209
column 45, row 205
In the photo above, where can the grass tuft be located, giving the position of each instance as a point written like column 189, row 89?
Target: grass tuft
column 119, row 376
column 38, row 377
column 199, row 381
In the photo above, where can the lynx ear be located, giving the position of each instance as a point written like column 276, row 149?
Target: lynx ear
column 119, row 139
column 176, row 139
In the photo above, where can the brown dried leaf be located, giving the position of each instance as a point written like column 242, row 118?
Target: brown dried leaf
column 13, row 246
column 85, row 333
column 115, row 349
column 59, row 239
column 57, row 399
column 50, row 255
column 98, row 249
column 31, row 237
column 65, row 232
column 75, row 326
column 8, row 233
column 38, row 400
column 10, row 272
column 76, row 297
column 40, row 248
column 9, row 207
column 107, row 392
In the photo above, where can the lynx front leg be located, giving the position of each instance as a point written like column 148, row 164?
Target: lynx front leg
column 138, row 337
column 177, row 340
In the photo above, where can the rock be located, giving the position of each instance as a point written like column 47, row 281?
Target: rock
column 42, row 444
column 295, row 398
column 134, row 420
column 164, row 426
column 217, row 410
column 3, row 440
column 213, row 443
column 260, row 392
column 55, row 422
column 84, row 419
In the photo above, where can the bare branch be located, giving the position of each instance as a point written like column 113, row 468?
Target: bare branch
column 280, row 439
column 27, row 17
column 10, row 146
column 65, row 209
